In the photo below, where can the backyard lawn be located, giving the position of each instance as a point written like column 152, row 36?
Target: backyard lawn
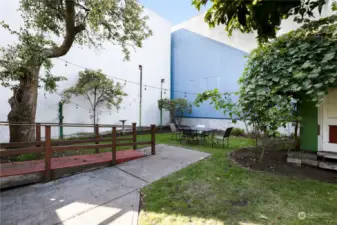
column 217, row 191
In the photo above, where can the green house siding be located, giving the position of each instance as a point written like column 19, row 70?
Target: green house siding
column 309, row 124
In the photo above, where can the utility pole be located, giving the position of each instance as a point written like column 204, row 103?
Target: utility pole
column 61, row 119
column 140, row 94
column 161, row 97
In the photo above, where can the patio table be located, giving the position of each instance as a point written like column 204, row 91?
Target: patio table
column 199, row 131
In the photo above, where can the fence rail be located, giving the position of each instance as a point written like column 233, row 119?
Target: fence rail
column 48, row 146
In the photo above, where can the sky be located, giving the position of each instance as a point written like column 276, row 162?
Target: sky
column 175, row 11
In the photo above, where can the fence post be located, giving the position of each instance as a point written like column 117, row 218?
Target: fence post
column 48, row 154
column 97, row 136
column 153, row 139
column 114, row 145
column 38, row 133
column 134, row 135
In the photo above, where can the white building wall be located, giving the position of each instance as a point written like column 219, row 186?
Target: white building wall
column 154, row 57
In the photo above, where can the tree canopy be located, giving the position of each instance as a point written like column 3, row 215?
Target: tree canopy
column 50, row 28
column 97, row 89
column 263, row 16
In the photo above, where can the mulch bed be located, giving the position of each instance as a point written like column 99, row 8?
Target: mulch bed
column 274, row 161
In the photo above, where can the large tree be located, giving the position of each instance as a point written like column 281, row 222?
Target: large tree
column 98, row 90
column 263, row 16
column 49, row 30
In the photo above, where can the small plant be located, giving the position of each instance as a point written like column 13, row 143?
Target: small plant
column 237, row 132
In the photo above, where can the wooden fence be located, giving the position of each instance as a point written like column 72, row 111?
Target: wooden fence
column 48, row 146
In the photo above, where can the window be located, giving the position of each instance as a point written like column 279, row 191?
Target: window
column 333, row 134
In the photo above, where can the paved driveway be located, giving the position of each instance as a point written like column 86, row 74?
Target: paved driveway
column 105, row 196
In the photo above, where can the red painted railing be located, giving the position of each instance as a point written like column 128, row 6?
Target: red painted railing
column 48, row 146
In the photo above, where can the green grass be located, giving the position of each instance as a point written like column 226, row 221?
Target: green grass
column 206, row 193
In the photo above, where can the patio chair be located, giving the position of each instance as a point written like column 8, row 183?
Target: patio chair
column 224, row 135
column 174, row 131
column 189, row 134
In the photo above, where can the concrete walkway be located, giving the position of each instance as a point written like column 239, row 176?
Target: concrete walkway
column 101, row 197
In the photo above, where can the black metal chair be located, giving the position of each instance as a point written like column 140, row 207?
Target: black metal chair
column 188, row 134
column 224, row 135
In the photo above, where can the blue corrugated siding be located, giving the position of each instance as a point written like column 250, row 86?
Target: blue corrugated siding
column 198, row 64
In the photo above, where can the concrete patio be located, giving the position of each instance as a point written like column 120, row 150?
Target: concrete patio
column 105, row 196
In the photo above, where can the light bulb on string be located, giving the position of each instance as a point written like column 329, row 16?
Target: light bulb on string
column 76, row 106
column 66, row 63
column 125, row 83
column 185, row 96
column 145, row 88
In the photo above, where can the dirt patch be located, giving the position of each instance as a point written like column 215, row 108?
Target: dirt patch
column 274, row 161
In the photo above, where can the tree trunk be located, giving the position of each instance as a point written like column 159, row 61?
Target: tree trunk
column 23, row 107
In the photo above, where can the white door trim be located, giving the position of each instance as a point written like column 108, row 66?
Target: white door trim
column 329, row 115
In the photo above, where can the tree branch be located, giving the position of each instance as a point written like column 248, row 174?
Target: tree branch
column 92, row 106
column 71, row 32
column 99, row 98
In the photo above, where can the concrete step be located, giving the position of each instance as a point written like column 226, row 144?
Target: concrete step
column 327, row 155
column 328, row 165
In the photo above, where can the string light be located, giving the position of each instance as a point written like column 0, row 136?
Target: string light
column 132, row 82
column 76, row 106
column 125, row 83
column 145, row 88
column 66, row 63
column 185, row 96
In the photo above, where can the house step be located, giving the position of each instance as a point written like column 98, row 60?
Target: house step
column 327, row 155
column 328, row 165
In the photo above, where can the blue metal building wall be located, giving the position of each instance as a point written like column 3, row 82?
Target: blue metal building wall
column 198, row 64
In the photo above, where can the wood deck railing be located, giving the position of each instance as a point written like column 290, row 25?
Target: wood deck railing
column 48, row 146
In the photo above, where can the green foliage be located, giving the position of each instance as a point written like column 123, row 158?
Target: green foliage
column 97, row 89
column 298, row 65
column 238, row 132
column 334, row 6
column 222, row 101
column 85, row 22
column 176, row 107
column 263, row 16
column 18, row 60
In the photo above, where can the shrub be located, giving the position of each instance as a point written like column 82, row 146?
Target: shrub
column 237, row 132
